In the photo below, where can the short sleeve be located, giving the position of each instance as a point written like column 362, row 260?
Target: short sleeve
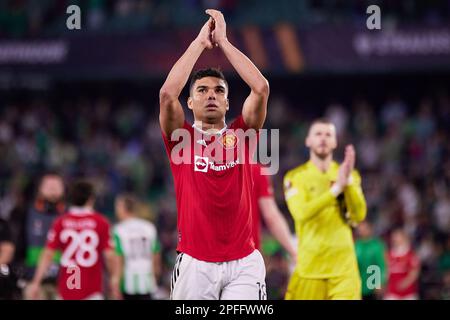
column 170, row 144
column 117, row 243
column 239, row 123
column 156, row 248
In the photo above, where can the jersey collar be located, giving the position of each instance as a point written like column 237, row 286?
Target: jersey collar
column 80, row 211
column 218, row 133
column 333, row 166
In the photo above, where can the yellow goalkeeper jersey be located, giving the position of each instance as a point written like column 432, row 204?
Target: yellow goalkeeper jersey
column 322, row 221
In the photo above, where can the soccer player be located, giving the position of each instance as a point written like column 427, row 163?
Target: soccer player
column 403, row 268
column 82, row 235
column 370, row 252
column 138, row 249
column 217, row 257
column 324, row 199
column 264, row 206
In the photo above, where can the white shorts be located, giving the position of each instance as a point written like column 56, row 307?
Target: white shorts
column 242, row 279
column 93, row 296
column 391, row 296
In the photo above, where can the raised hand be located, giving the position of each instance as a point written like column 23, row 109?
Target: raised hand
column 343, row 174
column 347, row 166
column 219, row 31
column 350, row 156
column 204, row 36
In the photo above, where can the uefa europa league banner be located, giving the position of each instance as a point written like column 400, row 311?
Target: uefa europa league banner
column 322, row 49
column 389, row 49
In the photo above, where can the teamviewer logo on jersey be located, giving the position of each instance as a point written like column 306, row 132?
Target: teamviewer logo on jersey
column 201, row 164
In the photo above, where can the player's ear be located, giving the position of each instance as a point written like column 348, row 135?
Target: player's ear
column 228, row 104
column 190, row 103
column 307, row 141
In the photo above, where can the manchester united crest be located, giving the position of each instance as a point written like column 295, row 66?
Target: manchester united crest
column 229, row 140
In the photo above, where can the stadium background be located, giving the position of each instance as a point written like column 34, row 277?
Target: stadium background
column 85, row 102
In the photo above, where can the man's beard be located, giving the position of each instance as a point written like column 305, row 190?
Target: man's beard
column 321, row 156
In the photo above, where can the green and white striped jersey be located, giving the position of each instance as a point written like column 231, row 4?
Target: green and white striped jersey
column 136, row 240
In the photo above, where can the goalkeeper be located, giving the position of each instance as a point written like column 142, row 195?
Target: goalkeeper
column 325, row 199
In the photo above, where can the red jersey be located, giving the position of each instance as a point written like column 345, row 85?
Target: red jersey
column 398, row 267
column 213, row 192
column 81, row 237
column 262, row 187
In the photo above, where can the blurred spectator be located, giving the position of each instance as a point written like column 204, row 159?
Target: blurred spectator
column 444, row 260
column 441, row 210
column 21, row 18
column 445, row 294
column 96, row 15
column 13, row 18
column 338, row 115
column 393, row 112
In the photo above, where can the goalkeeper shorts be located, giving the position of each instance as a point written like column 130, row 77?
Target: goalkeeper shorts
column 346, row 287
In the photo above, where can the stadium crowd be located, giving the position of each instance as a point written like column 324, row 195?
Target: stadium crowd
column 114, row 139
column 30, row 18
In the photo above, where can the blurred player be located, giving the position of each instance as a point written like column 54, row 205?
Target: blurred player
column 139, row 251
column 217, row 257
column 403, row 269
column 265, row 206
column 370, row 252
column 324, row 198
column 82, row 235
column 48, row 204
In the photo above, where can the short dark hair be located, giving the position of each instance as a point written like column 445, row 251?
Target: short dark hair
column 321, row 121
column 130, row 202
column 81, row 191
column 208, row 72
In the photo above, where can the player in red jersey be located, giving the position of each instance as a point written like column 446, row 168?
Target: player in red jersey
column 403, row 269
column 217, row 257
column 264, row 205
column 82, row 235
